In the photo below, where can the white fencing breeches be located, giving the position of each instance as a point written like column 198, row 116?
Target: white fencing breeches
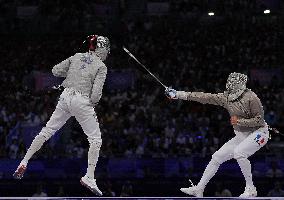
column 240, row 147
column 71, row 103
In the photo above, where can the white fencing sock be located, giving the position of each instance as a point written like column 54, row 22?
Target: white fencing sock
column 245, row 166
column 93, row 156
column 209, row 172
column 35, row 146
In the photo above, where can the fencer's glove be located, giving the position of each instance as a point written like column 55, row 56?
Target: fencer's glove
column 171, row 93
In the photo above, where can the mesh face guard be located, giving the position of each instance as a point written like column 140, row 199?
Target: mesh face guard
column 103, row 42
column 236, row 85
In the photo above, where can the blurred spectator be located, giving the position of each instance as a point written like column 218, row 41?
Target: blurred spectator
column 274, row 171
column 126, row 190
column 276, row 191
column 220, row 191
column 40, row 192
column 13, row 149
column 61, row 192
column 108, row 190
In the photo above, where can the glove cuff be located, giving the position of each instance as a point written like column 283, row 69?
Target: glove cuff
column 181, row 95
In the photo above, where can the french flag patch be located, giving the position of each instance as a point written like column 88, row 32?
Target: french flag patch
column 259, row 140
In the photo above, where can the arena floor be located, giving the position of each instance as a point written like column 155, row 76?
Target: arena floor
column 133, row 198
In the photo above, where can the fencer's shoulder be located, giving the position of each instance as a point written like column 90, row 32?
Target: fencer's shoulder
column 221, row 94
column 82, row 54
column 78, row 54
column 97, row 60
column 250, row 94
column 101, row 64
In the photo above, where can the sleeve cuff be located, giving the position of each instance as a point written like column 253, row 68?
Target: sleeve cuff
column 182, row 95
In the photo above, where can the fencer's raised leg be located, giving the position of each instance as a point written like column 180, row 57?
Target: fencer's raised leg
column 246, row 148
column 90, row 126
column 226, row 152
column 56, row 121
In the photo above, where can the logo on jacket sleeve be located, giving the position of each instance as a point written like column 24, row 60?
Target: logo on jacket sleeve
column 259, row 139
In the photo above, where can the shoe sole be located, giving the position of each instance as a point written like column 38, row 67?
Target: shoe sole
column 19, row 173
column 92, row 190
column 183, row 191
column 186, row 192
column 248, row 197
column 191, row 194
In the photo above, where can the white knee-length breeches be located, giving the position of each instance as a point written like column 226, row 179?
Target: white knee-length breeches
column 242, row 145
column 72, row 103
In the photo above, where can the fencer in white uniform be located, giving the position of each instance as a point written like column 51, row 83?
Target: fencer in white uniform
column 247, row 118
column 85, row 74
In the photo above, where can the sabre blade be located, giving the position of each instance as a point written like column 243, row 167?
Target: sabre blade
column 131, row 55
column 126, row 50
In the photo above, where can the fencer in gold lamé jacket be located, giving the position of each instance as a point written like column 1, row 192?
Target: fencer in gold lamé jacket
column 247, row 107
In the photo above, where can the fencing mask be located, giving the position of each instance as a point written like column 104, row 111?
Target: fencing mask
column 236, row 85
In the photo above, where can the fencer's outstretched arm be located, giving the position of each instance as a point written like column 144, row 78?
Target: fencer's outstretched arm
column 62, row 68
column 204, row 98
column 98, row 84
column 257, row 113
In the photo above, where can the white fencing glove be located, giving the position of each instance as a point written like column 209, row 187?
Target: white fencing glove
column 171, row 93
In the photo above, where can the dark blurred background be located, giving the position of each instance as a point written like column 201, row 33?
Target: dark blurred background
column 151, row 145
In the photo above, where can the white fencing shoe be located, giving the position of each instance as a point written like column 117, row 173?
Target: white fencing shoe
column 249, row 192
column 194, row 190
column 19, row 173
column 91, row 185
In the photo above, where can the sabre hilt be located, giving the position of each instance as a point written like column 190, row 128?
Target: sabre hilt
column 57, row 87
column 274, row 130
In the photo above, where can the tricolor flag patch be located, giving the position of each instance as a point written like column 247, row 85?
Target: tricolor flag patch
column 259, row 139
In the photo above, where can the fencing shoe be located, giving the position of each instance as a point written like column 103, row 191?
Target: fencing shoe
column 194, row 190
column 19, row 173
column 249, row 192
column 91, row 185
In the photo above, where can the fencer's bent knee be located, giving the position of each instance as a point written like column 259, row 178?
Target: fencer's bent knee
column 46, row 133
column 95, row 142
column 239, row 154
